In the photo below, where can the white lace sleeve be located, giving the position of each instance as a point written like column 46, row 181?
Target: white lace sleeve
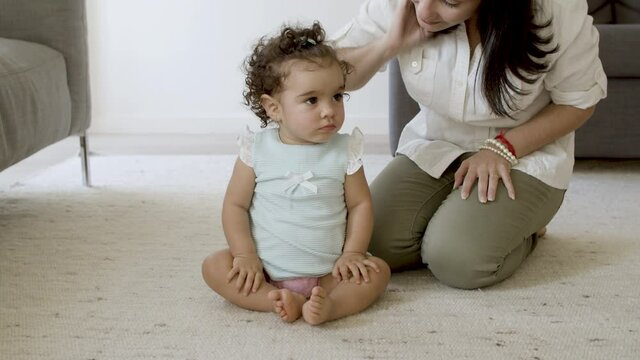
column 245, row 141
column 356, row 149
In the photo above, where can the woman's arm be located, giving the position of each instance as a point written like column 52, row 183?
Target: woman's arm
column 403, row 34
column 552, row 122
column 366, row 60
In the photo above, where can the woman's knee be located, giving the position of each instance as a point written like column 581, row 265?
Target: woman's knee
column 397, row 254
column 461, row 268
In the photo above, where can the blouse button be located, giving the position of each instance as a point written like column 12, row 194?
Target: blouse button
column 414, row 63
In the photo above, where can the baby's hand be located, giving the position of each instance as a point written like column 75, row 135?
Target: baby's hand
column 353, row 263
column 248, row 268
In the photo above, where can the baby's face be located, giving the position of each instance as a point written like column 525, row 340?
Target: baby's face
column 311, row 100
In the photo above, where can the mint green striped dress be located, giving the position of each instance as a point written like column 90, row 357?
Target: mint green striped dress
column 298, row 213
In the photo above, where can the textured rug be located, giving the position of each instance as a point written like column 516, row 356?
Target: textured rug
column 113, row 272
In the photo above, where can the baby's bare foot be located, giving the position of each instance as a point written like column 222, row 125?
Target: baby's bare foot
column 287, row 304
column 317, row 309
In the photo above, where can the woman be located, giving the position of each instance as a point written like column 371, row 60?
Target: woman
column 484, row 166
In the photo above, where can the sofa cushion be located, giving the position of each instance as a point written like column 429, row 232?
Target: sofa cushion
column 614, row 11
column 35, row 107
column 620, row 50
column 613, row 131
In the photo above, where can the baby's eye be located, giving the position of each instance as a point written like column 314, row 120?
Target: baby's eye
column 340, row 97
column 312, row 100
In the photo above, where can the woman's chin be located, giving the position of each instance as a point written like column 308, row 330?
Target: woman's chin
column 440, row 28
column 433, row 27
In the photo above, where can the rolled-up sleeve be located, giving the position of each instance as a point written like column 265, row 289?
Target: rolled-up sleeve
column 372, row 22
column 576, row 76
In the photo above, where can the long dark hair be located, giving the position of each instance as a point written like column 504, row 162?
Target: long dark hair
column 511, row 43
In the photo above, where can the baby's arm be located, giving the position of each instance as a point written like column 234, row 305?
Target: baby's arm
column 235, row 222
column 359, row 228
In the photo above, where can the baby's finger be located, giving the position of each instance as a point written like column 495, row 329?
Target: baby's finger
column 363, row 270
column 355, row 271
column 231, row 274
column 242, row 275
column 371, row 264
column 344, row 273
column 257, row 281
column 336, row 272
column 248, row 283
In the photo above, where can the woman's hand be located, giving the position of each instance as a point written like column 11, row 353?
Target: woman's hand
column 488, row 168
column 353, row 263
column 248, row 269
column 405, row 32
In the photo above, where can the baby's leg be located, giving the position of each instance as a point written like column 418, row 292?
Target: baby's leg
column 333, row 300
column 215, row 268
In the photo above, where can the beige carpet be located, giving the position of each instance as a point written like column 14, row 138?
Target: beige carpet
column 113, row 272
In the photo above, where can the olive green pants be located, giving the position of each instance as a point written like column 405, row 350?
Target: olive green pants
column 465, row 243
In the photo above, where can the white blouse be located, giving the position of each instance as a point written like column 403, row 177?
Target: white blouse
column 445, row 80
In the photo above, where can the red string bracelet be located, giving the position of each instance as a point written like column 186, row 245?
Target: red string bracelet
column 500, row 137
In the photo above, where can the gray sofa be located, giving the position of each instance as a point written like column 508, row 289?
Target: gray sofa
column 44, row 79
column 614, row 129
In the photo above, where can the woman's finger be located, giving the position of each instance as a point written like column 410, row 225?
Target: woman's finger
column 467, row 185
column 494, row 179
column 459, row 175
column 505, row 175
column 483, row 183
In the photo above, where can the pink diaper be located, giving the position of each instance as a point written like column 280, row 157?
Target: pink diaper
column 301, row 285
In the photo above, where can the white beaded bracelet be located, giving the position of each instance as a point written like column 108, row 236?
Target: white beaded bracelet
column 497, row 144
column 506, row 155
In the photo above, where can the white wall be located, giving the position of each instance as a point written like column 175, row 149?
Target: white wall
column 173, row 66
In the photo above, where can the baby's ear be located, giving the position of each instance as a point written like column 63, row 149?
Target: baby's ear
column 271, row 106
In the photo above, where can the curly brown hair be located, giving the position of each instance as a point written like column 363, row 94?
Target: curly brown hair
column 263, row 67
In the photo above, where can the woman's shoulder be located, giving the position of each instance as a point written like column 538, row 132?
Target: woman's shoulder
column 567, row 18
column 564, row 9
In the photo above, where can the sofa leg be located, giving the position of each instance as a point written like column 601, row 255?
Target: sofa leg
column 84, row 159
